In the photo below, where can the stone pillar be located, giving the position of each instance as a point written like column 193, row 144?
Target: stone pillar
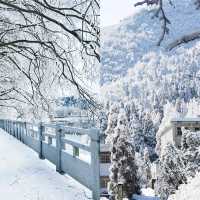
column 95, row 163
column 40, row 133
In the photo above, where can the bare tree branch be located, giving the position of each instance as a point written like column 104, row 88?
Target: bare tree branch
column 160, row 13
column 184, row 39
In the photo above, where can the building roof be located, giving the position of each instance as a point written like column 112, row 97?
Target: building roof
column 175, row 120
column 195, row 119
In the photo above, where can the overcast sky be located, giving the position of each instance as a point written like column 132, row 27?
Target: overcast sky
column 112, row 11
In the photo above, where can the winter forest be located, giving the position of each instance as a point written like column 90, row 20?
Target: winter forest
column 136, row 83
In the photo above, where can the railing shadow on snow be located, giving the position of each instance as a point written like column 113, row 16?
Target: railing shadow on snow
column 51, row 142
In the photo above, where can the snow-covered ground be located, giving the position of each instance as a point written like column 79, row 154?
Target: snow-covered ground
column 147, row 194
column 190, row 191
column 25, row 177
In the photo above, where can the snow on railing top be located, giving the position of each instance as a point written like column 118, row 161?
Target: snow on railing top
column 184, row 119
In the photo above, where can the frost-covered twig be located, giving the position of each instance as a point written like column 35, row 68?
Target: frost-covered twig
column 36, row 35
column 185, row 39
column 159, row 13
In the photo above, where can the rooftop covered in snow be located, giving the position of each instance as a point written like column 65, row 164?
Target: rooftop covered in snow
column 185, row 119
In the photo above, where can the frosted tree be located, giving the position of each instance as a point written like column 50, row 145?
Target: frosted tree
column 191, row 151
column 112, row 122
column 172, row 171
column 103, row 114
column 147, row 165
column 144, row 169
column 142, row 178
column 143, row 131
column 136, row 128
column 41, row 43
column 128, row 110
column 193, row 107
column 123, row 170
column 158, row 107
column 149, row 132
column 103, row 119
column 103, row 123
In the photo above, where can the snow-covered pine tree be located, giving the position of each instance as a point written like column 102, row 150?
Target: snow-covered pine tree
column 144, row 173
column 142, row 178
column 103, row 123
column 127, row 109
column 191, row 151
column 149, row 132
column 158, row 107
column 112, row 122
column 136, row 128
column 147, row 166
column 123, row 170
column 103, row 120
column 143, row 131
column 172, row 171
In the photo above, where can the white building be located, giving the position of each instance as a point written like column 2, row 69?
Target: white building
column 173, row 132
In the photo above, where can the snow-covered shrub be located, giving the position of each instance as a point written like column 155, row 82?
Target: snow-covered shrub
column 172, row 171
column 123, row 170
column 193, row 139
column 191, row 151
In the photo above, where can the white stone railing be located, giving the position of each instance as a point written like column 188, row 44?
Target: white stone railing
column 51, row 142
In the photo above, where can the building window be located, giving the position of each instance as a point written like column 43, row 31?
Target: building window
column 179, row 132
column 105, row 157
column 104, row 181
column 179, row 146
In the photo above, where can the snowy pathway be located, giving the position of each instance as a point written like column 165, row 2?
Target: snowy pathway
column 147, row 194
column 25, row 177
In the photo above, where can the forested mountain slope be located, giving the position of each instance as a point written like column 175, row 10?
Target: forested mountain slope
column 134, row 69
column 135, row 38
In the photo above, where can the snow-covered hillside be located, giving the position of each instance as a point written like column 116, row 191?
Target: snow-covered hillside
column 190, row 191
column 135, row 38
column 137, row 72
column 142, row 71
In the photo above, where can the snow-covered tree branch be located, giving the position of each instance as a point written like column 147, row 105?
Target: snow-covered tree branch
column 44, row 44
column 165, row 20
